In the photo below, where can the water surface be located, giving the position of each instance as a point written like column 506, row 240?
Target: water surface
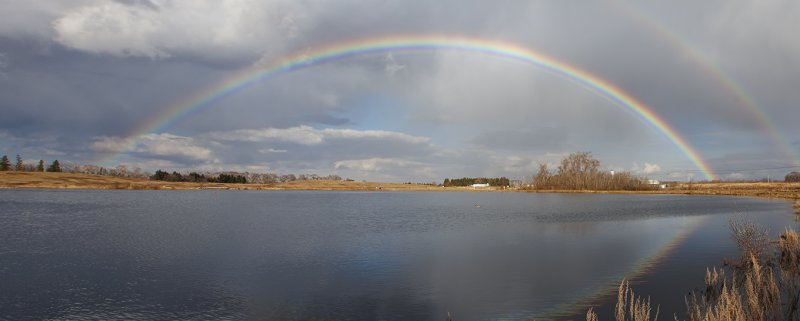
column 295, row 255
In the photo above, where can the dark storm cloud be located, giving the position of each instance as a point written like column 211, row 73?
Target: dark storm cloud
column 78, row 71
column 143, row 3
column 541, row 139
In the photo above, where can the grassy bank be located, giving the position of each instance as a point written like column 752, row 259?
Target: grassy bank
column 88, row 181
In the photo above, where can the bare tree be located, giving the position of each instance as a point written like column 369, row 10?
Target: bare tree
column 580, row 171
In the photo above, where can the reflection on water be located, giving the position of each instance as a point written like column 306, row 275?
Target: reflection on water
column 358, row 256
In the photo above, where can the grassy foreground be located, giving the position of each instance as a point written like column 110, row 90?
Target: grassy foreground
column 88, row 181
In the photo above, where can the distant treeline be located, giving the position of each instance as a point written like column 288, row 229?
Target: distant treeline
column 467, row 181
column 135, row 172
column 196, row 177
column 238, row 178
column 21, row 166
column 580, row 171
column 792, row 177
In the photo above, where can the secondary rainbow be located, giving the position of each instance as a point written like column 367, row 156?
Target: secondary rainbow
column 254, row 74
column 743, row 99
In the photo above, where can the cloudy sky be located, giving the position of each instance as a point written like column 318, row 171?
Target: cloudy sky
column 78, row 78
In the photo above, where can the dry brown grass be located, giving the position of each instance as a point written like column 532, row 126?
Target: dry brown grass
column 769, row 190
column 88, row 181
column 630, row 307
column 759, row 189
column 753, row 295
column 789, row 248
column 758, row 289
column 751, row 239
column 591, row 315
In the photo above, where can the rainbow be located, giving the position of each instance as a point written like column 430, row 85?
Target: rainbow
column 743, row 99
column 249, row 76
column 639, row 269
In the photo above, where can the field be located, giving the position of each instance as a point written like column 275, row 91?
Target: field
column 86, row 181
column 759, row 189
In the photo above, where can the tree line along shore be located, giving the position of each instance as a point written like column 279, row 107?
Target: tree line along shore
column 576, row 173
column 63, row 180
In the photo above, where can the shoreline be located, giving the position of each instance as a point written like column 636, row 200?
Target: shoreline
column 45, row 180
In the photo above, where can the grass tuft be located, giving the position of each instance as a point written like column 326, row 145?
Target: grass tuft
column 761, row 287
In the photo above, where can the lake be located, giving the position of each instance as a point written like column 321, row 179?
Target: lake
column 319, row 255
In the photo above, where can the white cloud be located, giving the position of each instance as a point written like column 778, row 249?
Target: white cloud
column 682, row 175
column 392, row 67
column 109, row 143
column 381, row 134
column 154, row 145
column 112, row 28
column 272, row 150
column 646, row 169
column 289, row 25
column 736, row 176
column 373, row 164
column 153, row 164
column 301, row 135
column 307, row 135
column 53, row 152
column 385, row 169
column 32, row 18
column 220, row 29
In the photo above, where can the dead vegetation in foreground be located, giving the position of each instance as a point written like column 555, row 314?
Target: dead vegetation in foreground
column 760, row 287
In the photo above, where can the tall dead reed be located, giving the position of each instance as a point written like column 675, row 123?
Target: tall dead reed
column 789, row 249
column 630, row 307
column 761, row 287
column 751, row 295
column 751, row 239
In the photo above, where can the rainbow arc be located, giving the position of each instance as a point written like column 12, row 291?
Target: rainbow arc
column 252, row 75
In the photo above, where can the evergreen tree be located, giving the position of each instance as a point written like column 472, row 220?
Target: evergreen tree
column 54, row 167
column 40, row 167
column 19, row 166
column 160, row 175
column 5, row 164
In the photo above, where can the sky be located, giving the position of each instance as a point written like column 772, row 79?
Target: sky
column 80, row 80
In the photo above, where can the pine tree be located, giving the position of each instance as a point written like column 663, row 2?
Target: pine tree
column 40, row 167
column 19, row 166
column 5, row 164
column 54, row 167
